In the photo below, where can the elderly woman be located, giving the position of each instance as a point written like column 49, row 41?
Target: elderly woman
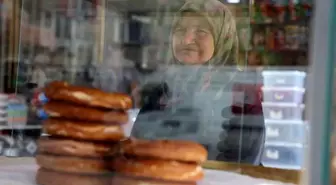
column 204, row 41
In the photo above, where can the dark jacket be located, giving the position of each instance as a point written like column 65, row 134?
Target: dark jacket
column 243, row 136
column 243, row 129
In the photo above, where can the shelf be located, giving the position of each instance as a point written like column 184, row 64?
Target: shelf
column 286, row 23
column 20, row 127
column 133, row 44
column 299, row 50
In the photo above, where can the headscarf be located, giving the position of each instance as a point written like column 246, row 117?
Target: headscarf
column 223, row 26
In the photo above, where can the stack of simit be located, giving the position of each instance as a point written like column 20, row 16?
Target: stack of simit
column 168, row 161
column 85, row 126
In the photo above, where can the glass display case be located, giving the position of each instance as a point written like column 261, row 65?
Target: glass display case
column 167, row 92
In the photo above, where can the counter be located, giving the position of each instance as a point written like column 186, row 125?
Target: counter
column 21, row 171
column 289, row 176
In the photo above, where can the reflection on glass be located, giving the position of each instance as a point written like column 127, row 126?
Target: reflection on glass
column 204, row 40
column 228, row 75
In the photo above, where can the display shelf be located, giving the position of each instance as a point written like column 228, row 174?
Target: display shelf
column 289, row 176
column 286, row 23
column 280, row 33
column 216, row 173
column 22, row 127
column 285, row 50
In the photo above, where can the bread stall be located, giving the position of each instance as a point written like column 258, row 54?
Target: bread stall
column 93, row 137
column 86, row 144
column 83, row 148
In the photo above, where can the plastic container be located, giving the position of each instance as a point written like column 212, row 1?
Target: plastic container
column 283, row 94
column 3, row 120
column 284, row 78
column 11, row 152
column 282, row 111
column 284, row 156
column 17, row 114
column 3, row 104
column 3, row 115
column 286, row 131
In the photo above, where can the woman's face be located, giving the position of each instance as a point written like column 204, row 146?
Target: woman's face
column 193, row 42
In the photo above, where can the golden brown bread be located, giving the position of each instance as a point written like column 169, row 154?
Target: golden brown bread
column 187, row 151
column 128, row 180
column 158, row 169
column 69, row 147
column 75, row 112
column 77, row 130
column 49, row 177
column 72, row 164
column 87, row 96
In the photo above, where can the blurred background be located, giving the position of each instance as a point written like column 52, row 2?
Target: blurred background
column 73, row 40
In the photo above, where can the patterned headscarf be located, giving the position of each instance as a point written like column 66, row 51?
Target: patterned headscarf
column 223, row 26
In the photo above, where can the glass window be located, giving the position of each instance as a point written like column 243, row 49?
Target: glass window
column 169, row 90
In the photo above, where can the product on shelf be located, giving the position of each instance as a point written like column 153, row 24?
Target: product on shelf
column 16, row 111
column 161, row 159
column 302, row 60
column 281, row 7
column 244, row 34
column 255, row 59
column 307, row 7
column 258, row 39
column 303, row 37
column 292, row 10
column 17, row 115
column 292, row 37
column 29, row 146
column 269, row 58
column 270, row 38
column 3, row 109
column 261, row 11
column 280, row 39
column 281, row 11
column 5, row 143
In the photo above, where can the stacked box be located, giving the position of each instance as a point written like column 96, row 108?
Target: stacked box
column 283, row 107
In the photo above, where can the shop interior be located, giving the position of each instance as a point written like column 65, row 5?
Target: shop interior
column 77, row 41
